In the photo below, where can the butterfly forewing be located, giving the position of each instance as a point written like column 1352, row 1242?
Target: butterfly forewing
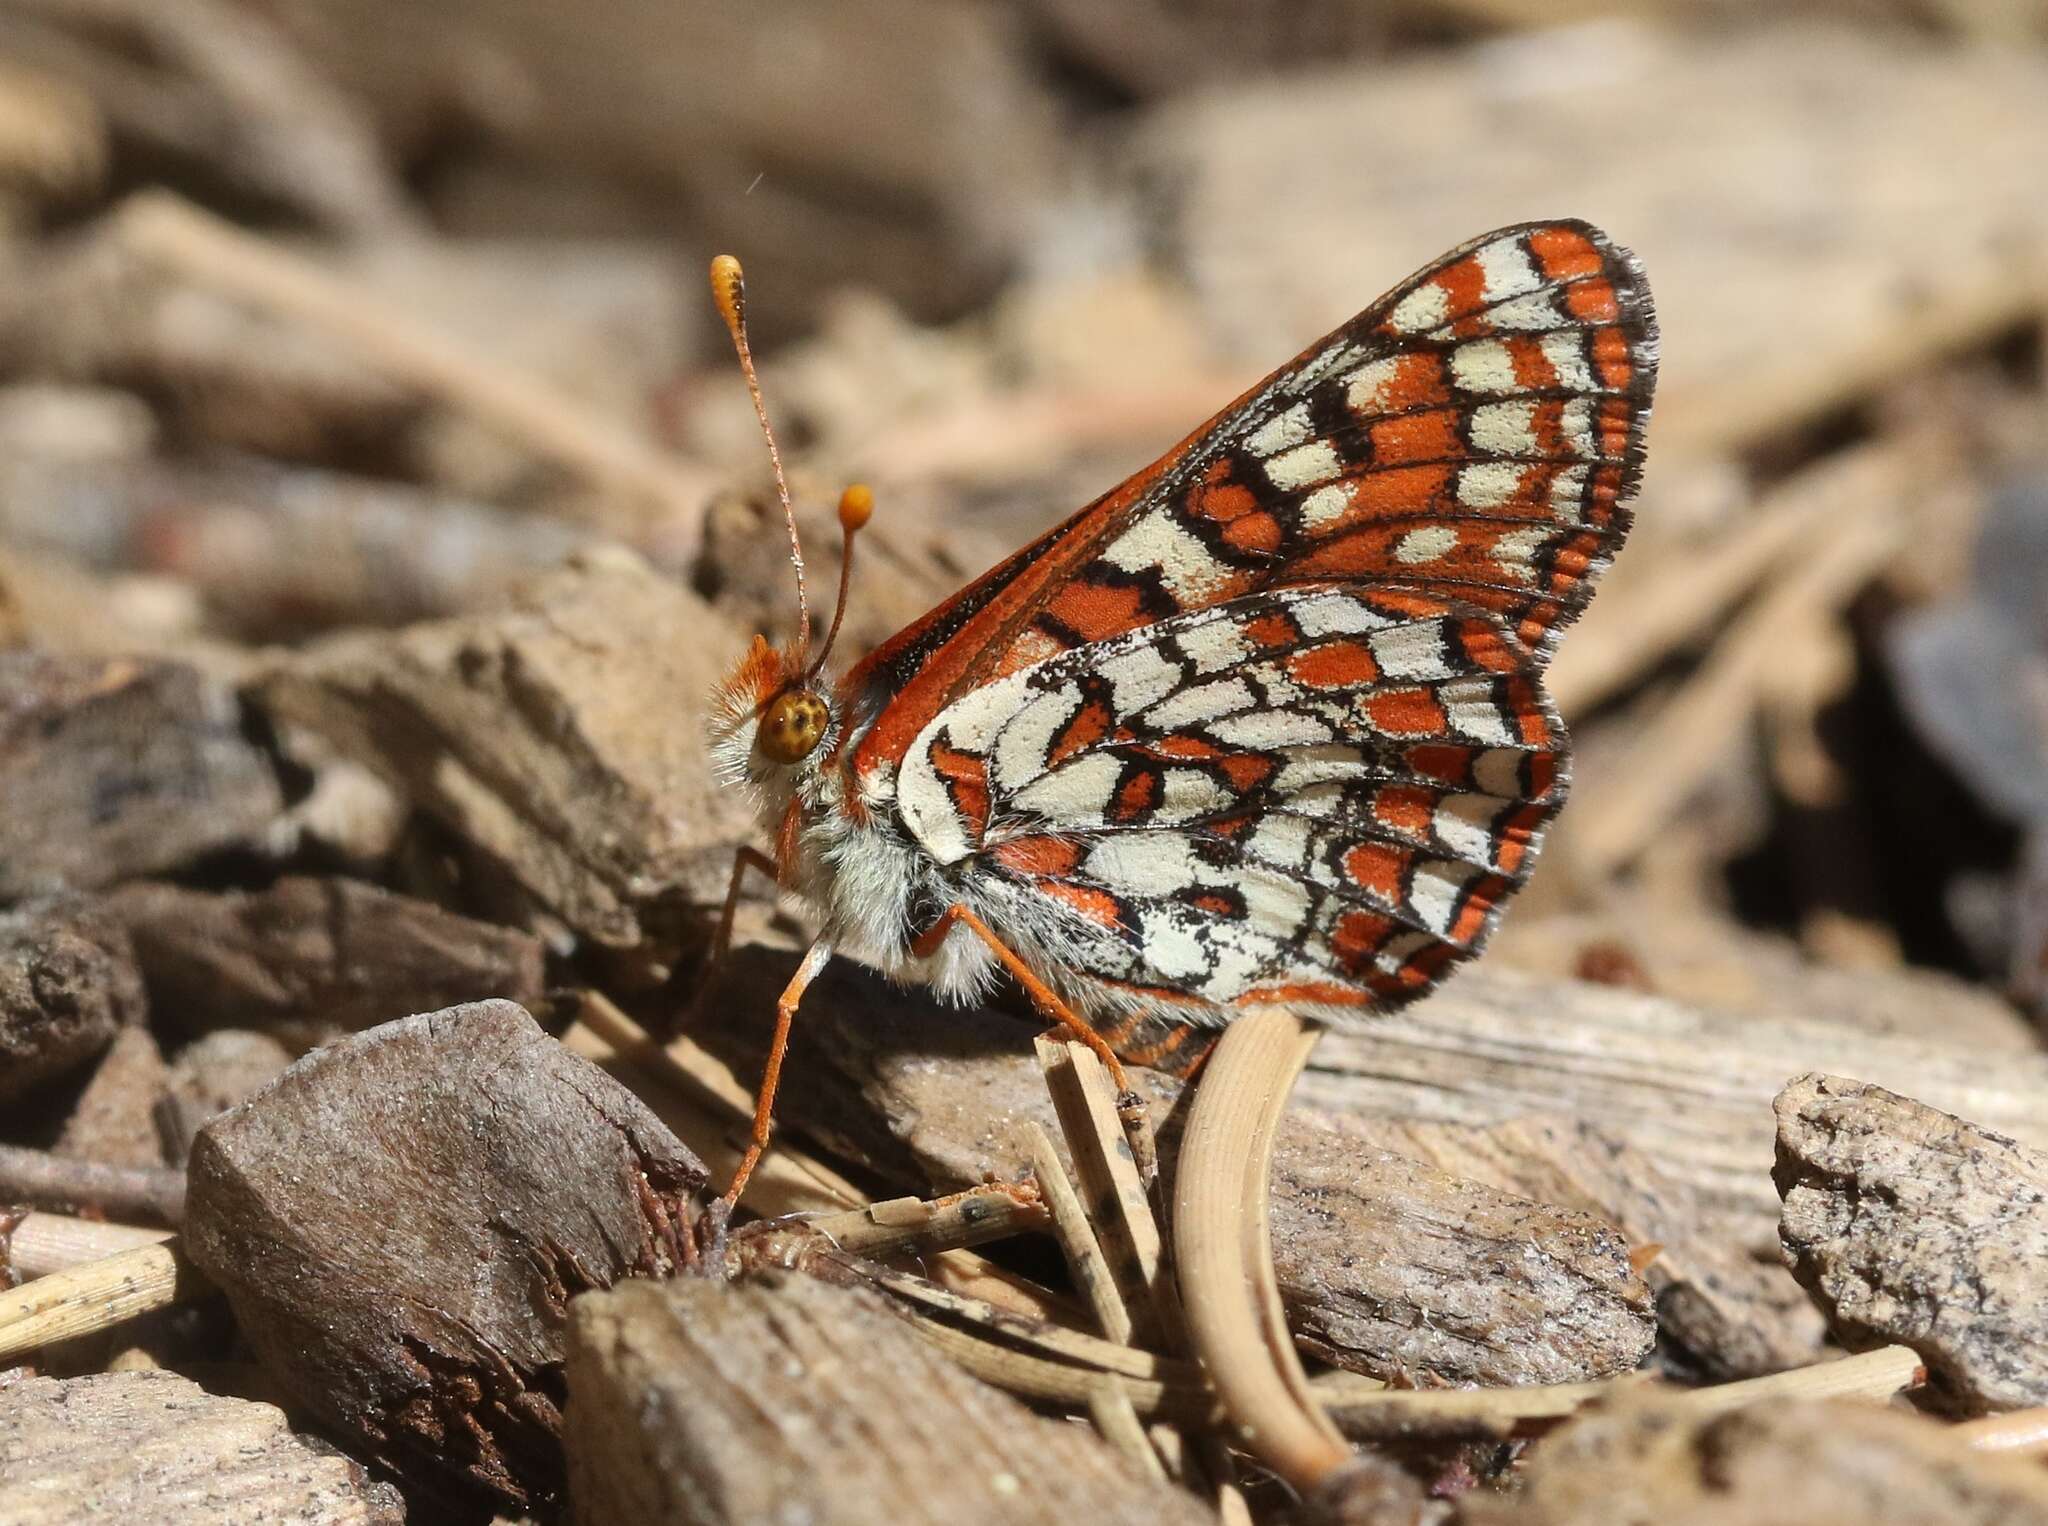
column 1477, row 432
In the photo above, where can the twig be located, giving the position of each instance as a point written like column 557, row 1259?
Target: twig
column 96, row 1296
column 43, row 1243
column 1686, row 741
column 525, row 408
column 1365, row 1410
column 1633, row 628
column 1071, row 1227
column 909, row 1226
column 1224, row 1252
column 37, row 1176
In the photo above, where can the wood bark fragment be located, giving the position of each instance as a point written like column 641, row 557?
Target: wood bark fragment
column 119, row 767
column 1689, row 1088
column 472, row 1176
column 306, row 960
column 68, row 983
column 1729, row 1313
column 1384, row 1262
column 783, row 1398
column 544, row 737
column 1650, row 1461
column 114, row 1119
column 209, row 1076
column 1913, row 1226
column 153, row 1446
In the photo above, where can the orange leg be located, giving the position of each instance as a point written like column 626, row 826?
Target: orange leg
column 743, row 859
column 1041, row 994
column 771, row 1075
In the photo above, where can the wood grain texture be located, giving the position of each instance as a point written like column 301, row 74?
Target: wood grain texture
column 785, row 1399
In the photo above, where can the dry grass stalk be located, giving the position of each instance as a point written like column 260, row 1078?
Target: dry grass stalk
column 1686, row 741
column 95, row 1296
column 43, row 1243
column 1108, row 1163
column 1224, row 1250
column 698, row 1097
column 1071, row 1227
column 909, row 1226
column 212, row 253
column 2024, row 1432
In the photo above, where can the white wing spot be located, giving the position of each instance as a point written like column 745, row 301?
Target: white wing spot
column 1304, row 466
column 1509, row 272
column 1498, row 771
column 1484, row 365
column 1411, row 651
column 1464, row 824
column 1434, row 892
column 1516, row 550
column 1425, row 545
column 1140, row 677
column 1325, row 506
column 1567, row 357
column 1488, row 484
column 1185, row 565
column 1423, row 308
column 1504, row 429
column 1281, row 432
column 1336, row 615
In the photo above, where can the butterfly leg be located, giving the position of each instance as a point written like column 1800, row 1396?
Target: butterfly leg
column 1130, row 1107
column 743, row 859
column 819, row 954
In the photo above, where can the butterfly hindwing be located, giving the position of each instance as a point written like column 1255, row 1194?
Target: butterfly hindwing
column 1319, row 795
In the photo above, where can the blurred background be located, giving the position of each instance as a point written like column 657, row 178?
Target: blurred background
column 328, row 315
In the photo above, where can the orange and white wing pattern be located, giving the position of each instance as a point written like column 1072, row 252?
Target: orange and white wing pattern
column 1315, row 795
column 1267, row 722
column 1476, row 432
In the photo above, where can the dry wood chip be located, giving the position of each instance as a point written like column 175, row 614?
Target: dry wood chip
column 67, row 983
column 307, row 960
column 209, row 1076
column 400, row 1221
column 114, row 1119
column 1729, row 1313
column 786, row 1399
column 1651, row 1462
column 152, row 1446
column 117, row 767
column 1384, row 1262
column 1913, row 1226
column 558, row 738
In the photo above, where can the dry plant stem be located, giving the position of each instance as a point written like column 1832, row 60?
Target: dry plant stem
column 2023, row 1431
column 209, row 252
column 700, row 1099
column 1687, row 739
column 37, row 1176
column 1087, row 1104
column 1070, row 1226
column 909, row 1226
column 1658, row 617
column 1225, row 1256
column 95, row 1296
column 43, row 1243
column 1366, row 1410
column 1117, row 1421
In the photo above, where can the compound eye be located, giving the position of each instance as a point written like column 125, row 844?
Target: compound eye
column 792, row 725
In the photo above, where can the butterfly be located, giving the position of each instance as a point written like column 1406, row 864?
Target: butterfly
column 1266, row 722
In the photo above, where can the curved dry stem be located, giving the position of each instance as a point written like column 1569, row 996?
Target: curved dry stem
column 1231, row 1298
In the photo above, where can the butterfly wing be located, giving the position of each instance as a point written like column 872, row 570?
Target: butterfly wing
column 1475, row 433
column 1313, row 795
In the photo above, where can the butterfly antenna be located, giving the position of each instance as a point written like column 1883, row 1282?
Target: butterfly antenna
column 729, row 291
column 856, row 507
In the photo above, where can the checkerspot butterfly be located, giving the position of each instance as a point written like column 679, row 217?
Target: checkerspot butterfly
column 1265, row 723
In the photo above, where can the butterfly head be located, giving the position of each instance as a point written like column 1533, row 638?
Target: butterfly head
column 773, row 715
